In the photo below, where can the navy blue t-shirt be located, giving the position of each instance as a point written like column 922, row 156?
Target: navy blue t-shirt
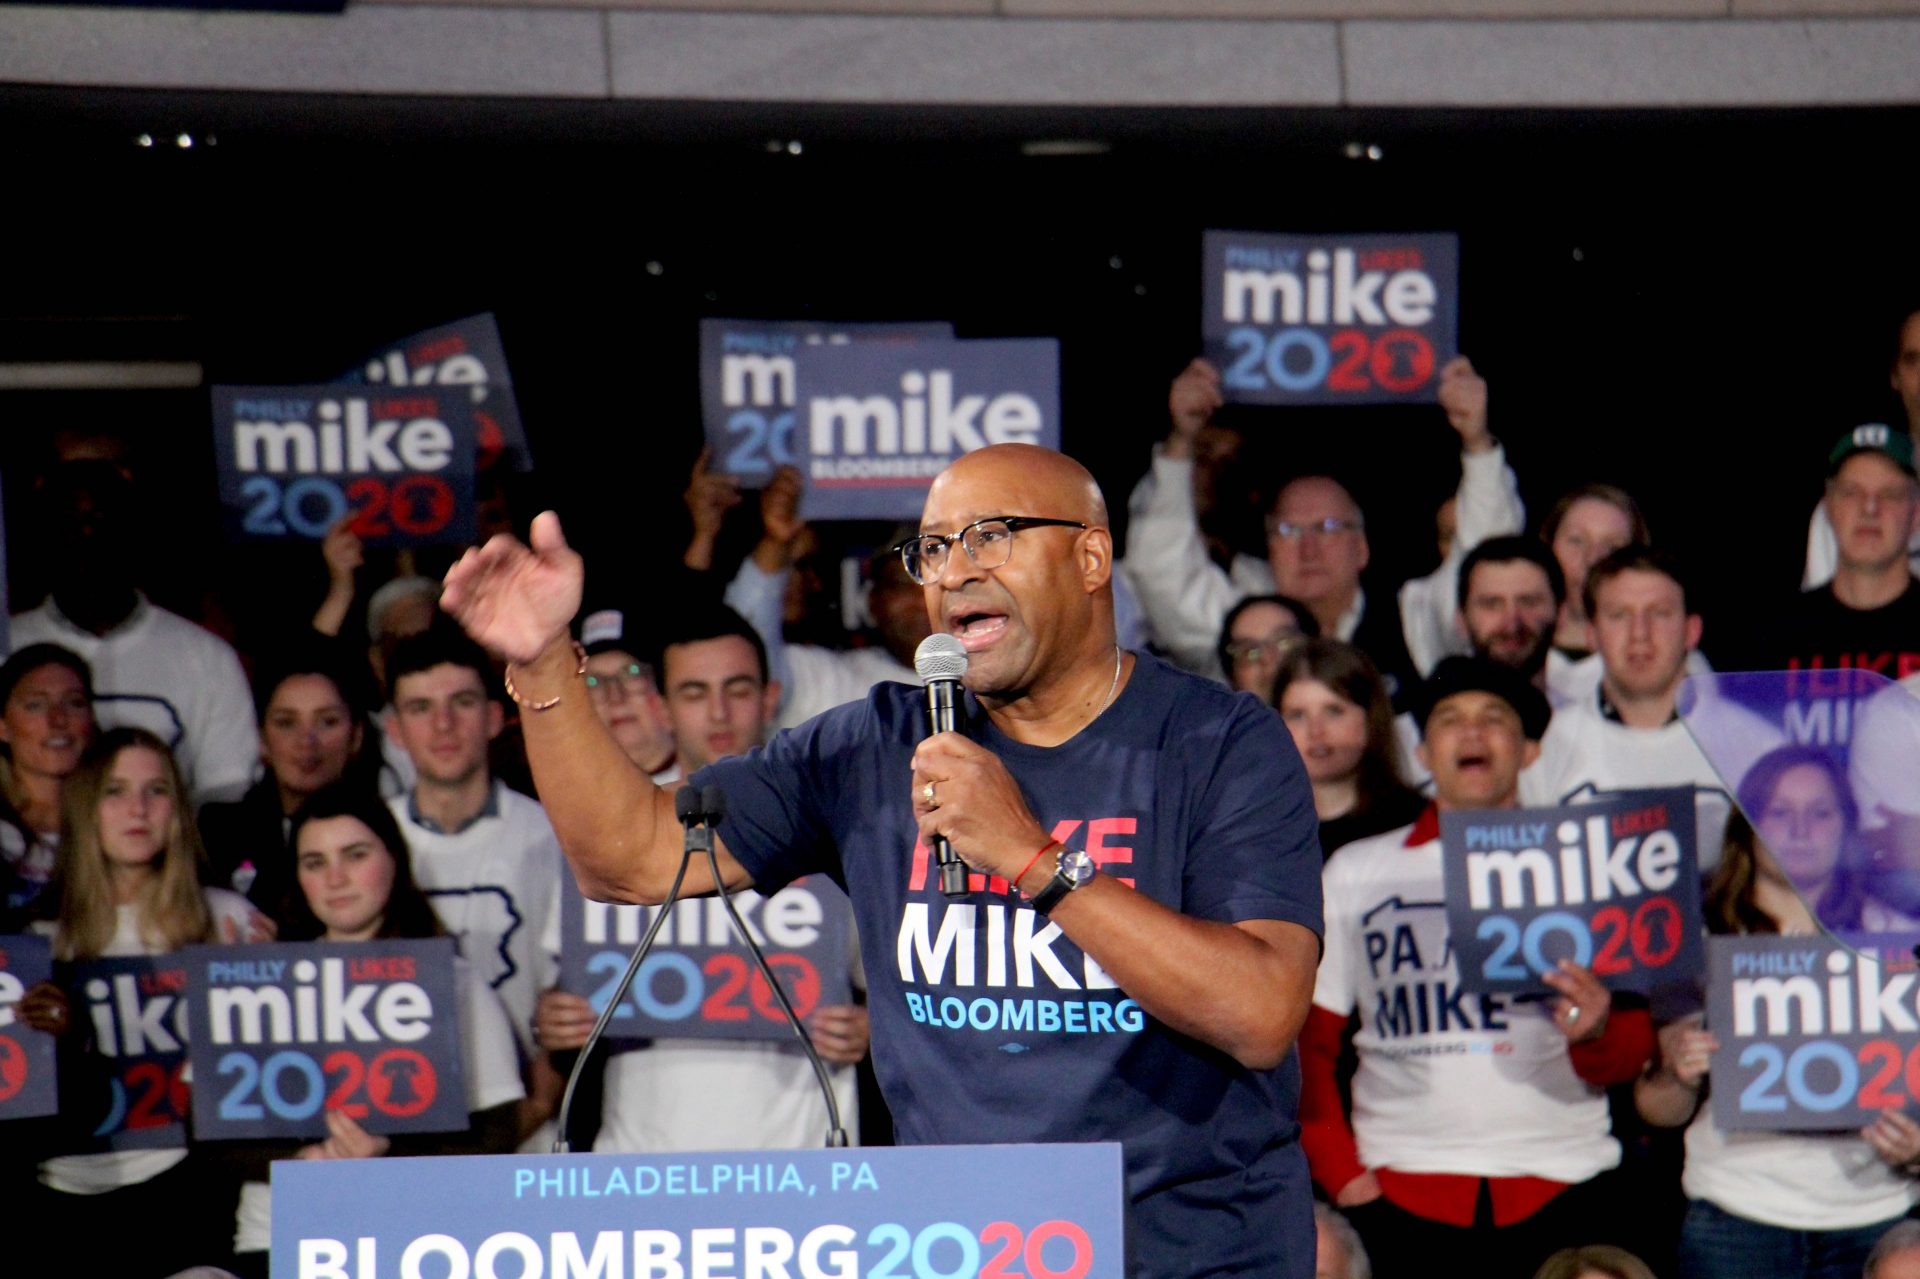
column 988, row 1024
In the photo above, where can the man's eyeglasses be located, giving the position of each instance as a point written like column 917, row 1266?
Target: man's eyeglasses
column 631, row 680
column 1292, row 532
column 988, row 542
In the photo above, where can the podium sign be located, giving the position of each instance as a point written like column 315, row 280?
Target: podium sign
column 1053, row 1212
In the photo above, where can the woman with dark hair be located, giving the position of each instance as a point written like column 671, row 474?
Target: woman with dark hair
column 312, row 701
column 46, row 722
column 1806, row 867
column 354, row 883
column 1255, row 633
column 127, row 884
column 1585, row 526
column 1781, row 1203
column 1335, row 704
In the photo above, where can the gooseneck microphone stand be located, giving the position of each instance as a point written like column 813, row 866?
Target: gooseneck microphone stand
column 698, row 812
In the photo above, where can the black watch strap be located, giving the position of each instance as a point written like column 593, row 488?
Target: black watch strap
column 1059, row 886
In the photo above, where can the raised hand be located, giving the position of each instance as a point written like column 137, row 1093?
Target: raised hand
column 1463, row 397
column 517, row 601
column 1191, row 402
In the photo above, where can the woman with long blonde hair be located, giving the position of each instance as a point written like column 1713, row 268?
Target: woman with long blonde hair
column 127, row 884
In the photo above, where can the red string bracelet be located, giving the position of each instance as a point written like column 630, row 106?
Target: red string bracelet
column 1052, row 843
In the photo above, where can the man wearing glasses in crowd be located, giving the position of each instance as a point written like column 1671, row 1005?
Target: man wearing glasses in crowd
column 1159, row 830
column 1317, row 545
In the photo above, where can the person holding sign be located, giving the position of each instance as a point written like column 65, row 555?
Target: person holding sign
column 128, row 885
column 1781, row 1203
column 1479, row 1123
column 658, row 1096
column 355, row 884
column 1317, row 542
column 1145, row 890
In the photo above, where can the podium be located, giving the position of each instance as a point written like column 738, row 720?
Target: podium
column 909, row 1212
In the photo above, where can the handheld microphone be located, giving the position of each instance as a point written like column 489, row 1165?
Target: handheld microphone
column 942, row 661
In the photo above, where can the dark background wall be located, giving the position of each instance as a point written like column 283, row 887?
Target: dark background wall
column 1691, row 304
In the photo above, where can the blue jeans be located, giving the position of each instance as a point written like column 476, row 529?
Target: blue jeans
column 1715, row 1244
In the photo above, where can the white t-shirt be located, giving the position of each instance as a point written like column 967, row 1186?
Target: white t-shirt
column 1882, row 749
column 489, row 1061
column 1447, row 1083
column 161, row 672
column 492, row 884
column 1586, row 756
column 96, row 1174
column 1793, row 1180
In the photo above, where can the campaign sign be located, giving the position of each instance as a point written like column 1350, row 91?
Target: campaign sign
column 465, row 353
column 1049, row 1212
column 137, row 1008
column 1329, row 319
column 877, row 422
column 1613, row 886
column 27, row 1085
column 699, row 981
column 1816, row 1033
column 748, row 385
column 285, row 1032
column 294, row 459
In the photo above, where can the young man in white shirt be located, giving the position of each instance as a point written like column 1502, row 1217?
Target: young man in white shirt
column 1629, row 733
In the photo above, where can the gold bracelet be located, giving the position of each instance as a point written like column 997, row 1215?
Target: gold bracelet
column 579, row 651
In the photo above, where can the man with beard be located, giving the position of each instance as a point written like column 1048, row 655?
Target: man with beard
column 1510, row 595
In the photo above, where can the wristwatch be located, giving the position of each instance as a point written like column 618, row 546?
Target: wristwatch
column 1072, row 869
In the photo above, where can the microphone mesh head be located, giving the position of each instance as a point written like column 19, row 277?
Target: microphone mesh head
column 940, row 657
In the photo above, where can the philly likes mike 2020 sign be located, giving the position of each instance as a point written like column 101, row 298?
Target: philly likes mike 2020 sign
column 1329, row 319
column 871, row 420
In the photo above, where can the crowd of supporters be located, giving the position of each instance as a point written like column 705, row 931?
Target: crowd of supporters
column 359, row 777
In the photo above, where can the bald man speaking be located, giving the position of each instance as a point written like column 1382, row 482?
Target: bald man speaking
column 1138, row 949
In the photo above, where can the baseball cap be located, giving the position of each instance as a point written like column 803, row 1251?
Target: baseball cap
column 1873, row 437
column 605, row 629
column 1483, row 675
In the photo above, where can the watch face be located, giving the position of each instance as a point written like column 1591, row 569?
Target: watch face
column 1077, row 866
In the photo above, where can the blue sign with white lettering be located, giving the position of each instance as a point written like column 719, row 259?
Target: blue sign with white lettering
column 1329, row 319
column 700, row 981
column 1613, row 886
column 749, row 398
column 286, row 1032
column 137, row 1009
column 1815, row 1033
column 877, row 423
column 294, row 459
column 1050, row 1212
column 27, row 1086
column 467, row 353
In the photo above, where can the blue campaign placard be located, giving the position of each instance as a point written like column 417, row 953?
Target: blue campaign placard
column 699, row 981
column 292, row 460
column 1050, row 1212
column 466, row 353
column 1613, row 886
column 137, row 1008
column 877, row 422
column 27, row 1084
column 288, row 1031
column 1815, row 1033
column 749, row 397
column 1329, row 319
